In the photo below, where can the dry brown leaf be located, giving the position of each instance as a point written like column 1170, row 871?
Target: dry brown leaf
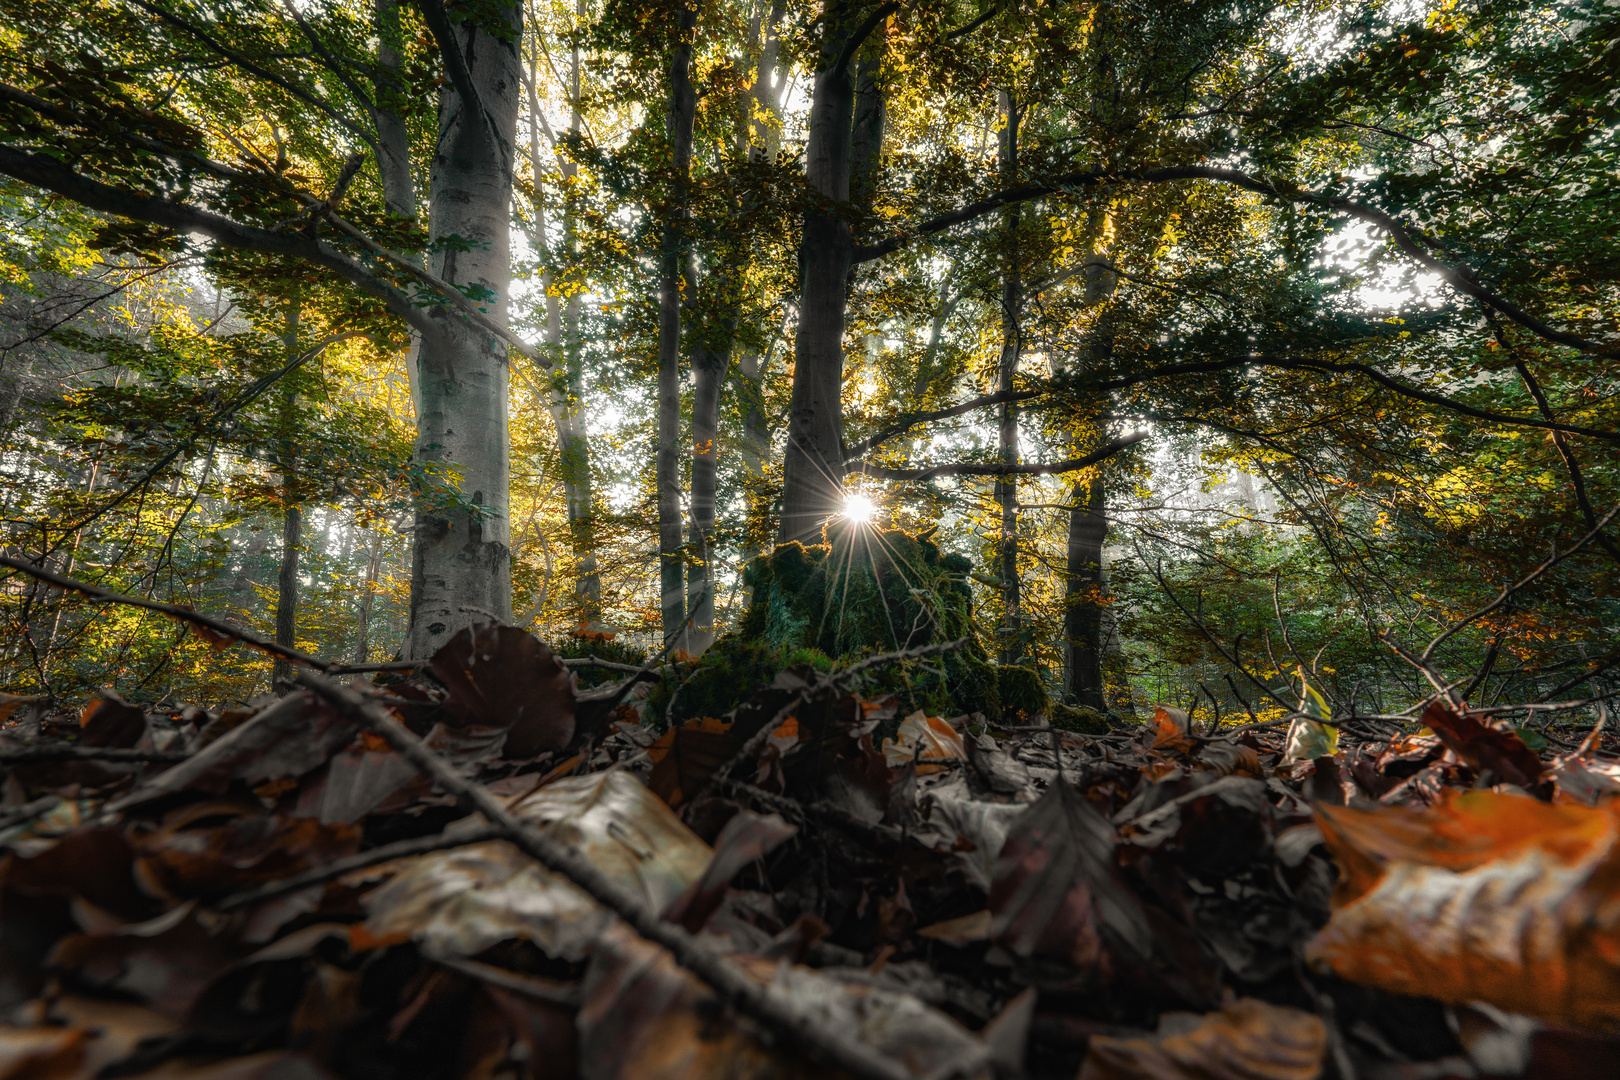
column 41, row 1053
column 1483, row 897
column 1247, row 1040
column 464, row 900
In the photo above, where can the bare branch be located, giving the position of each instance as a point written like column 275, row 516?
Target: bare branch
column 217, row 627
column 911, row 420
column 1460, row 278
column 1102, row 453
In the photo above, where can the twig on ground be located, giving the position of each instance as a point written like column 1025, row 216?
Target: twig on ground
column 450, row 838
column 759, row 1001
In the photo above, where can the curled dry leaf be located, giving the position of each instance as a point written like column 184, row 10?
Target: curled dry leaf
column 464, row 900
column 928, row 739
column 1247, row 1040
column 1484, row 897
column 1502, row 753
column 503, row 677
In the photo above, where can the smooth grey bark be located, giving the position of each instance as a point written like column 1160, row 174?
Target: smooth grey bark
column 292, row 520
column 813, row 471
column 682, row 112
column 461, row 564
column 567, row 381
column 1006, row 486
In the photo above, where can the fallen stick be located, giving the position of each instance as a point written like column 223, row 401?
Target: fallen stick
column 758, row 1001
column 271, row 890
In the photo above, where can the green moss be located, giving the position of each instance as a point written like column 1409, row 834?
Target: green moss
column 1081, row 720
column 872, row 590
column 1023, row 694
column 725, row 676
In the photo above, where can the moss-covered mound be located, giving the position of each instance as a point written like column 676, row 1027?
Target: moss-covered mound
column 868, row 590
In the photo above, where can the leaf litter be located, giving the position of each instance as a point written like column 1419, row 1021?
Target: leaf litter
column 288, row 896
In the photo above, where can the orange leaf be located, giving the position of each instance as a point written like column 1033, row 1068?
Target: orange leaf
column 1485, row 897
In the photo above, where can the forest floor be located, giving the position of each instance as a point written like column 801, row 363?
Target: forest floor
column 482, row 870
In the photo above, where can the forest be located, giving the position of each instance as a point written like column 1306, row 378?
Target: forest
column 781, row 538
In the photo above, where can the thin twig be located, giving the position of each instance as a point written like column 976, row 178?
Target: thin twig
column 450, row 838
column 1508, row 590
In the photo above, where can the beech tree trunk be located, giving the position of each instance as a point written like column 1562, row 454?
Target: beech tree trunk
column 567, row 381
column 710, row 360
column 1006, row 487
column 292, row 521
column 682, row 112
column 813, row 472
column 1083, row 592
column 362, row 630
column 461, row 565
column 1086, row 624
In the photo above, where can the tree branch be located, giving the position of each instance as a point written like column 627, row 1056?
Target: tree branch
column 218, row 628
column 841, row 62
column 911, row 420
column 1102, row 453
column 1459, row 278
column 455, row 63
column 251, row 68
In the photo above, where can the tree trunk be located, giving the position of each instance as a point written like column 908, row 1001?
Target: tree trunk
column 813, row 476
column 1087, row 626
column 567, row 381
column 461, row 564
column 682, row 112
column 1006, row 487
column 292, row 521
column 710, row 360
column 362, row 634
column 394, row 145
column 1084, row 592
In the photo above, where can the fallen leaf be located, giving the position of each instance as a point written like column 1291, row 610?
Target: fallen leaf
column 464, row 900
column 1247, row 1040
column 41, row 1053
column 1484, row 897
column 1483, row 747
column 503, row 677
column 646, row 1019
column 746, row 837
column 684, row 758
column 1057, row 892
column 928, row 739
